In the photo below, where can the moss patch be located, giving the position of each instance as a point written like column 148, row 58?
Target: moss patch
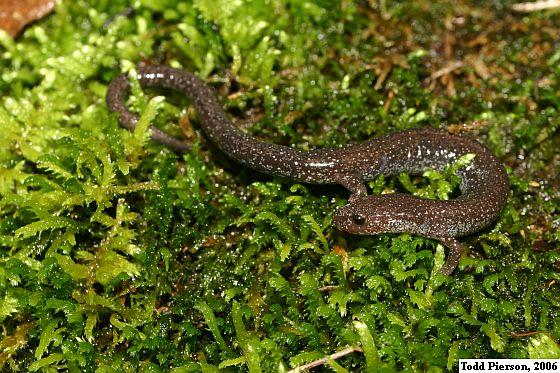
column 117, row 254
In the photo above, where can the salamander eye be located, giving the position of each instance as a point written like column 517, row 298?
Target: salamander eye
column 358, row 219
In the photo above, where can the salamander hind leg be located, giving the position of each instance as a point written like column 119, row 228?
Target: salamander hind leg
column 455, row 251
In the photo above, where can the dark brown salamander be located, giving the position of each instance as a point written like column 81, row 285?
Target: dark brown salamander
column 484, row 183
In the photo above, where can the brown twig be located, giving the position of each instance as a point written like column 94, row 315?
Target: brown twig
column 387, row 105
column 319, row 362
column 329, row 288
column 529, row 334
column 447, row 69
column 535, row 6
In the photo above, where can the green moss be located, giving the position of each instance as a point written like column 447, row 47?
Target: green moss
column 117, row 254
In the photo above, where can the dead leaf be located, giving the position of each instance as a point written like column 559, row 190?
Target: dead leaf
column 16, row 14
column 340, row 251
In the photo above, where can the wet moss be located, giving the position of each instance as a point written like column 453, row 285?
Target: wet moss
column 117, row 254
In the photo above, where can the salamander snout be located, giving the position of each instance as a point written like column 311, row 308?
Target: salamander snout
column 359, row 217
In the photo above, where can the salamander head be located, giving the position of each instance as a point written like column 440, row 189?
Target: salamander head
column 363, row 215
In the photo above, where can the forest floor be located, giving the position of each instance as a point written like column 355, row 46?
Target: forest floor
column 117, row 254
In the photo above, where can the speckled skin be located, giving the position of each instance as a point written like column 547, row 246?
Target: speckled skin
column 484, row 186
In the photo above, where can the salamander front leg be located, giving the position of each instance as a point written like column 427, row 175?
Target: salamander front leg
column 455, row 251
column 354, row 185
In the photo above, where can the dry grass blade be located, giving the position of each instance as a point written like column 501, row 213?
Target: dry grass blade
column 319, row 362
column 535, row 6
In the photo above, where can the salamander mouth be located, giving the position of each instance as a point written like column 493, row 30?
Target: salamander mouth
column 340, row 220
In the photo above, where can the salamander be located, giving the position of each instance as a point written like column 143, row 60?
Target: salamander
column 484, row 183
